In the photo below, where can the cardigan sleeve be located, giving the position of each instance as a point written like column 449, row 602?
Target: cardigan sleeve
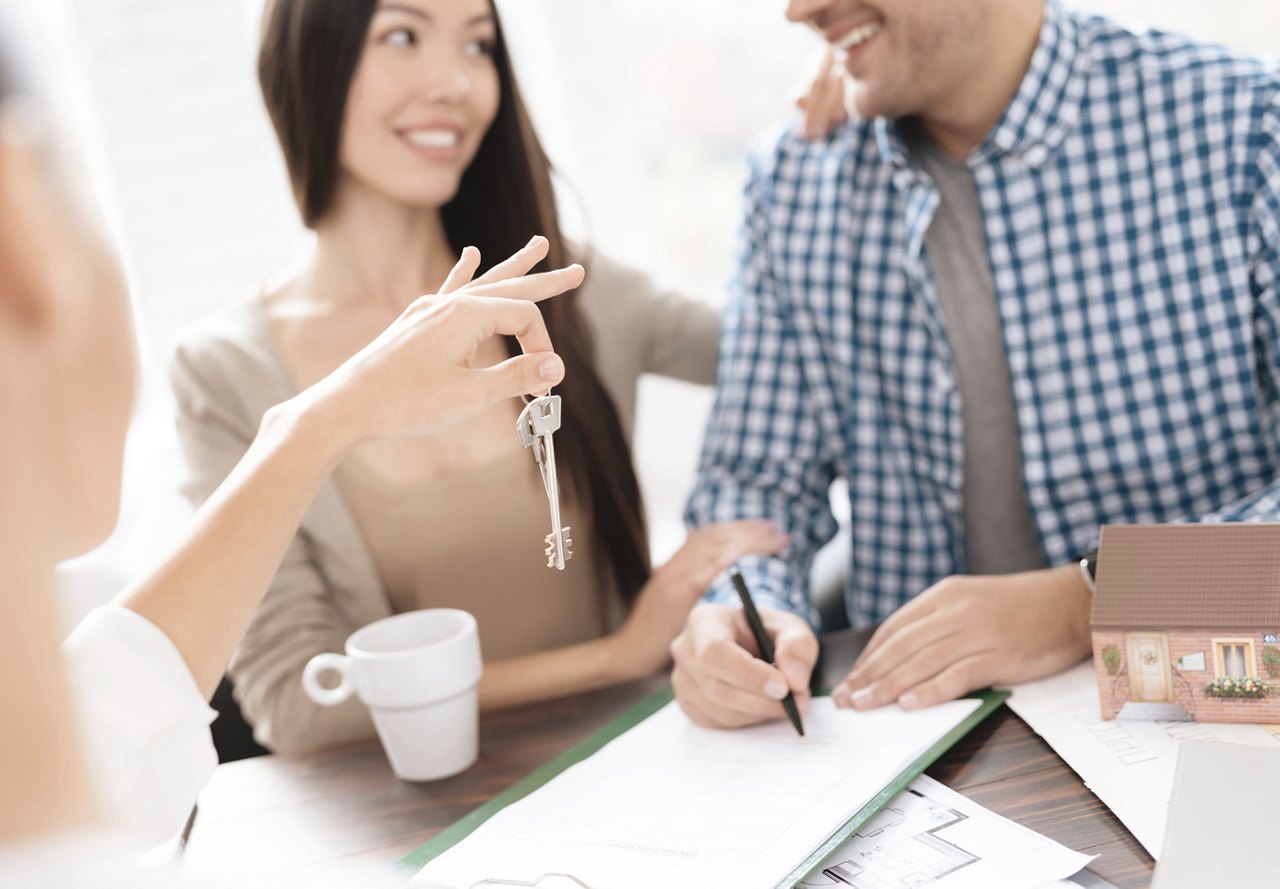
column 297, row 619
column 640, row 328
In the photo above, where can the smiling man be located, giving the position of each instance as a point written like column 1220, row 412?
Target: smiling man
column 1030, row 290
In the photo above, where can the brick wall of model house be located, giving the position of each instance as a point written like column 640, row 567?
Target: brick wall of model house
column 1190, row 642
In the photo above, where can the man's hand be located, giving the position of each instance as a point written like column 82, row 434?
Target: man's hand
column 720, row 681
column 965, row 633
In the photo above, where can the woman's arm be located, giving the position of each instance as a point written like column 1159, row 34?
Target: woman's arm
column 218, row 390
column 414, row 379
column 640, row 647
column 205, row 593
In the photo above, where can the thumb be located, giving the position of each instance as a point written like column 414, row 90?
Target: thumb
column 525, row 375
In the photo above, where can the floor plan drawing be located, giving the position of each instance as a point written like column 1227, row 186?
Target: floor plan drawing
column 931, row 836
column 904, row 845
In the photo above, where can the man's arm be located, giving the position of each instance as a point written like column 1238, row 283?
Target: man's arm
column 969, row 632
column 764, row 457
column 1264, row 279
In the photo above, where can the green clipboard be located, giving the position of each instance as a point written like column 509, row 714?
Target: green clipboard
column 461, row 829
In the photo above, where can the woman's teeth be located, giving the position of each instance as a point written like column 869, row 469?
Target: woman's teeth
column 433, row 138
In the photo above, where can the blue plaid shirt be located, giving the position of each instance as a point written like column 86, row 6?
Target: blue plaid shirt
column 1131, row 198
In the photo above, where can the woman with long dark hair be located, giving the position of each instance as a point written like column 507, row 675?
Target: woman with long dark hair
column 407, row 145
column 105, row 740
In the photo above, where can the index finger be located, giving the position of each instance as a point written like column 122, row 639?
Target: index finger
column 532, row 288
column 905, row 616
column 518, row 263
column 511, row 317
column 924, row 638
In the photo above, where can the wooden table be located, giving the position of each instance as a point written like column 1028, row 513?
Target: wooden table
column 340, row 818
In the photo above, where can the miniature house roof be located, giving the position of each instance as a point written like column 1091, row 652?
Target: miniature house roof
column 1185, row 576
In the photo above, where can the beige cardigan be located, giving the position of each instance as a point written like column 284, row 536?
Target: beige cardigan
column 228, row 373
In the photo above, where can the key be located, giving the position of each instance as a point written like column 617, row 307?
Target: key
column 538, row 421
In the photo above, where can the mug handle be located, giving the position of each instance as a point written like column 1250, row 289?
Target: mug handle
column 328, row 697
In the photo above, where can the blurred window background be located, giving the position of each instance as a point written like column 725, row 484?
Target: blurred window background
column 646, row 108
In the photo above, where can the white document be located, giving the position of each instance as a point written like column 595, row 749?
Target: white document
column 1222, row 830
column 1129, row 765
column 673, row 805
column 932, row 836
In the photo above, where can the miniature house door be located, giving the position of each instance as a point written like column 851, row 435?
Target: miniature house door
column 1149, row 676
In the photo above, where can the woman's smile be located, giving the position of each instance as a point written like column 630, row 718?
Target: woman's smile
column 434, row 141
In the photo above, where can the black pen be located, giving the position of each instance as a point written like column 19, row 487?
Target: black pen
column 186, row 828
column 762, row 640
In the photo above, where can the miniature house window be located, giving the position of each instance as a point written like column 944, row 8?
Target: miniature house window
column 1233, row 658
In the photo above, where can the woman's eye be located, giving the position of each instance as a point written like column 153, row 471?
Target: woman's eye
column 480, row 48
column 399, row 37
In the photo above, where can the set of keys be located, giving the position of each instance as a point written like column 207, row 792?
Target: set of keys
column 538, row 421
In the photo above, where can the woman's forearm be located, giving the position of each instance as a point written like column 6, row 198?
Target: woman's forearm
column 204, row 594
column 557, row 673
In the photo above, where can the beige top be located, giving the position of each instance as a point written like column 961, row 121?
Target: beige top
column 483, row 559
column 228, row 373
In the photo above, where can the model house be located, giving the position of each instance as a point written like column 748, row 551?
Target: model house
column 1186, row 620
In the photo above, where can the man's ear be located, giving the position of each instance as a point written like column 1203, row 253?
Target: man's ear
column 27, row 224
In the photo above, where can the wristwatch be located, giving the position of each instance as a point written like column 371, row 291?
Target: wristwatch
column 1089, row 568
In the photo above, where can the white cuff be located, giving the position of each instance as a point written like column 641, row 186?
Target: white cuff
column 144, row 722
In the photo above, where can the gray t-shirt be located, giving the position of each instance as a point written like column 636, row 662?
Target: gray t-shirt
column 999, row 536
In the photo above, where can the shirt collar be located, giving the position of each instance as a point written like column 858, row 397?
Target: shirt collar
column 1044, row 109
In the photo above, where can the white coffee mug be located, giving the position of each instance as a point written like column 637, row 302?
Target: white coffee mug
column 417, row 673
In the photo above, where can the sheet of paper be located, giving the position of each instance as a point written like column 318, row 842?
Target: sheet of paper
column 1129, row 764
column 1222, row 818
column 932, row 836
column 674, row 805
column 1084, row 880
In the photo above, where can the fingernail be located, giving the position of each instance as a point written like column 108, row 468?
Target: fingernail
column 909, row 701
column 534, row 240
column 863, row 699
column 551, row 369
column 840, row 694
column 776, row 689
column 796, row 672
